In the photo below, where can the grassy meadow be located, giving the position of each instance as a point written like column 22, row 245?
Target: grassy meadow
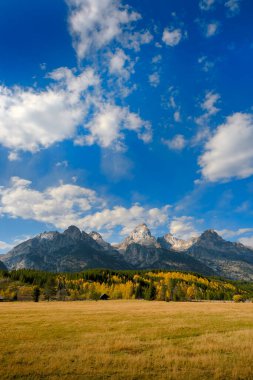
column 126, row 340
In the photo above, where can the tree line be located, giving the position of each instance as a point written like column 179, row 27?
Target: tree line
column 159, row 285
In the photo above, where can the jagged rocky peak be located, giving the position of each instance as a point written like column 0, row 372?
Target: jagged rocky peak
column 98, row 238
column 73, row 232
column 51, row 235
column 140, row 232
column 140, row 235
column 169, row 241
column 210, row 235
column 95, row 235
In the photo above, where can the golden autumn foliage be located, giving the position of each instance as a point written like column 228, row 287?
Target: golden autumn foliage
column 90, row 285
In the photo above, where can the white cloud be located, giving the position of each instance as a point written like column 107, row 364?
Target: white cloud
column 107, row 126
column 60, row 206
column 226, row 233
column 177, row 116
column 243, row 235
column 154, row 79
column 127, row 218
column 233, row 7
column 157, row 58
column 13, row 156
column 209, row 107
column 172, row 37
column 30, row 120
column 172, row 102
column 96, row 23
column 211, row 29
column 248, row 241
column 68, row 204
column 206, row 65
column 228, row 153
column 177, row 143
column 4, row 246
column 117, row 64
column 206, row 5
column 202, row 134
column 134, row 40
column 183, row 227
column 64, row 164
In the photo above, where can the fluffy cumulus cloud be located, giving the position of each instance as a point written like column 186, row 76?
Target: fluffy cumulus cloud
column 31, row 119
column 96, row 23
column 228, row 153
column 177, row 143
column 60, row 206
column 172, row 37
column 107, row 126
column 68, row 204
column 183, row 227
column 127, row 218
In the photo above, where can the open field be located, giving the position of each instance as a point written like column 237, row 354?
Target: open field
column 126, row 340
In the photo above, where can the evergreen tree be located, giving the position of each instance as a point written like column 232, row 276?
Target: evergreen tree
column 50, row 289
column 36, row 294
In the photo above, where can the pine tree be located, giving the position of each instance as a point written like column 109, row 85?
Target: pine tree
column 36, row 294
column 50, row 289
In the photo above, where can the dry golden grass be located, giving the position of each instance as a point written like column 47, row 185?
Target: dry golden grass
column 126, row 340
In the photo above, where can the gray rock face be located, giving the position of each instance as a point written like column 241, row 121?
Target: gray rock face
column 100, row 241
column 143, row 251
column 69, row 251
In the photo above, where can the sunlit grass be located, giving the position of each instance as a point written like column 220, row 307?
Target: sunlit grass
column 126, row 340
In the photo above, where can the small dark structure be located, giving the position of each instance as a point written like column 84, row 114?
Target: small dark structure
column 1, row 299
column 104, row 297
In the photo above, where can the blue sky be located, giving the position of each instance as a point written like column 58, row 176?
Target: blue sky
column 114, row 113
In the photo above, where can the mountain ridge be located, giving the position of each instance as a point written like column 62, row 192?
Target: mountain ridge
column 76, row 250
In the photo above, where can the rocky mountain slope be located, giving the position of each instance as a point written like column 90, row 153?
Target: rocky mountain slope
column 232, row 260
column 142, row 251
column 74, row 250
column 69, row 251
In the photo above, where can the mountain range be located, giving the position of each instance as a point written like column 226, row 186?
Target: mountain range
column 75, row 250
